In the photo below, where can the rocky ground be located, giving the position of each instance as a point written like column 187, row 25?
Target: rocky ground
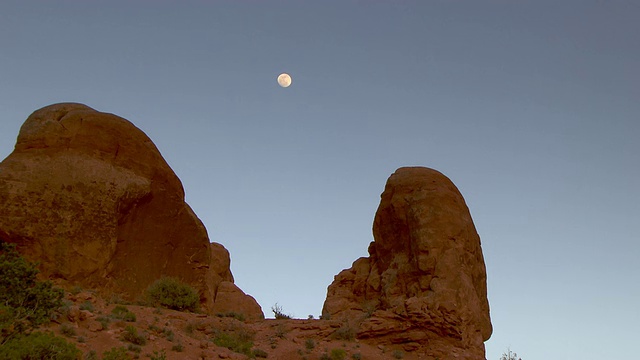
column 97, row 325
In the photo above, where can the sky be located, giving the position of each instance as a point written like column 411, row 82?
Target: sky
column 530, row 107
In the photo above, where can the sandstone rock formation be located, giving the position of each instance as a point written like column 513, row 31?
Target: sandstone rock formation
column 424, row 282
column 88, row 195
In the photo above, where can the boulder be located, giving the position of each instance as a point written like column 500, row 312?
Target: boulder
column 424, row 281
column 88, row 196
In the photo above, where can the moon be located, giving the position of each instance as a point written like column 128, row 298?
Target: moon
column 284, row 80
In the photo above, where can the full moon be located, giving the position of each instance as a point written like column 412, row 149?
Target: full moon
column 284, row 80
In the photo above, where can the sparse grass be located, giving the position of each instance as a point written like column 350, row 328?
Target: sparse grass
column 131, row 335
column 398, row 354
column 356, row 356
column 281, row 331
column 177, row 348
column 134, row 348
column 91, row 355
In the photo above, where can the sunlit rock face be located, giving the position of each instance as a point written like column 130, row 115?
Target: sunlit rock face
column 88, row 195
column 424, row 282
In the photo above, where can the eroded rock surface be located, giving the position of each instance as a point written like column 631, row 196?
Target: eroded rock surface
column 88, row 196
column 424, row 282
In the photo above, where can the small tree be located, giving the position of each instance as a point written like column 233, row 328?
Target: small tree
column 24, row 302
column 509, row 355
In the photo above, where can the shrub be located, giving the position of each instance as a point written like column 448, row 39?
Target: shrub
column 38, row 345
column 91, row 355
column 122, row 313
column 238, row 340
column 24, row 302
column 278, row 313
column 356, row 356
column 131, row 335
column 173, row 294
column 87, row 305
column 398, row 354
column 338, row 354
column 177, row 348
column 116, row 353
column 345, row 332
column 161, row 355
column 309, row 344
column 259, row 353
column 67, row 330
column 232, row 314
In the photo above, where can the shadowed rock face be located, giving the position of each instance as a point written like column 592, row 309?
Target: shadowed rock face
column 424, row 282
column 88, row 195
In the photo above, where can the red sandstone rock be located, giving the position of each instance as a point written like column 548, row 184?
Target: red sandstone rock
column 88, row 196
column 425, row 279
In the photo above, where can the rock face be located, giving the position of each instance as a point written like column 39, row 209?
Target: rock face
column 424, row 282
column 88, row 196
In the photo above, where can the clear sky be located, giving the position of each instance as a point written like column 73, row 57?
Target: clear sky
column 530, row 107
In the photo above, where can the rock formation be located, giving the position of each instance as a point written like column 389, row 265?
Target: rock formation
column 424, row 282
column 88, row 196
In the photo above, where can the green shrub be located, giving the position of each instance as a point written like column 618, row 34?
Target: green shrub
column 67, row 330
column 338, row 354
column 310, row 344
column 87, row 305
column 398, row 354
column 131, row 335
column 356, row 356
column 116, row 353
column 24, row 302
column 122, row 313
column 259, row 353
column 177, row 348
column 38, row 345
column 232, row 314
column 238, row 340
column 91, row 355
column 345, row 332
column 158, row 355
column 171, row 293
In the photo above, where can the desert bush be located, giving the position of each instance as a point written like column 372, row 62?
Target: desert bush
column 232, row 314
column 116, row 353
column 158, row 355
column 398, row 354
column 177, row 348
column 122, row 313
column 91, row 355
column 239, row 340
column 278, row 313
column 345, row 332
column 24, row 302
column 173, row 294
column 338, row 354
column 131, row 335
column 259, row 353
column 67, row 330
column 509, row 355
column 309, row 344
column 356, row 356
column 87, row 305
column 38, row 345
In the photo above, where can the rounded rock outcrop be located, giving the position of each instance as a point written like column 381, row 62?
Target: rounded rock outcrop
column 89, row 196
column 424, row 281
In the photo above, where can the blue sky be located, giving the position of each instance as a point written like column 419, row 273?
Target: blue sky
column 530, row 107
